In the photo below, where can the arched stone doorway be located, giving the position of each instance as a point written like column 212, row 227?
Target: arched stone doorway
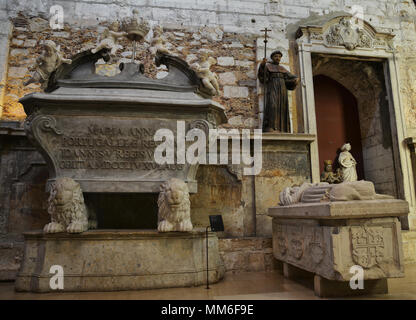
column 364, row 79
column 337, row 122
column 364, row 62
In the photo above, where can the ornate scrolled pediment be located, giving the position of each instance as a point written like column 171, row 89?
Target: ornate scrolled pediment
column 347, row 32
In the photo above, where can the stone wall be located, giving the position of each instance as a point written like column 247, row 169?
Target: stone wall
column 23, row 198
column 409, row 246
column 221, row 192
column 285, row 164
column 247, row 254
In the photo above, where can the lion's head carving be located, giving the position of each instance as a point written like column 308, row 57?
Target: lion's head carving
column 174, row 207
column 66, row 207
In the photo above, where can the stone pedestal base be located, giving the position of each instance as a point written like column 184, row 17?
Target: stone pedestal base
column 107, row 260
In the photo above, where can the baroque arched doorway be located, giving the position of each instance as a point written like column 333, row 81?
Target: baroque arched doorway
column 337, row 122
column 365, row 81
column 365, row 63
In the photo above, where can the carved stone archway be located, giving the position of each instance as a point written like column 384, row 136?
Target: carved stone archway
column 350, row 38
column 365, row 80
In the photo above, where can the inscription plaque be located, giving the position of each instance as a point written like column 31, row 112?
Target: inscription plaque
column 97, row 150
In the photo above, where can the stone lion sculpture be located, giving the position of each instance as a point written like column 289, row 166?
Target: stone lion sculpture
column 345, row 191
column 67, row 208
column 174, row 207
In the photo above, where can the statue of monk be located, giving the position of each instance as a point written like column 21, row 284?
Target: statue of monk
column 276, row 80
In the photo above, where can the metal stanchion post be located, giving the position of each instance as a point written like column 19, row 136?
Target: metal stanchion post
column 206, row 234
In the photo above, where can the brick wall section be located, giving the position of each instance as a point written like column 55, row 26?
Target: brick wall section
column 235, row 66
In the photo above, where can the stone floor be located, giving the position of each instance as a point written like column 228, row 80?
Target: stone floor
column 241, row 286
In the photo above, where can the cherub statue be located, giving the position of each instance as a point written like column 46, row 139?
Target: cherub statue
column 110, row 39
column 158, row 42
column 49, row 60
column 209, row 79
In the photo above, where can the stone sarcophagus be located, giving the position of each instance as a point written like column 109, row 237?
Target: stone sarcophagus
column 102, row 131
column 332, row 239
column 117, row 135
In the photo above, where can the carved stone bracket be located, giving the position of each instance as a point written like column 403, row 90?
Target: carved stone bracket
column 42, row 122
column 200, row 124
column 35, row 123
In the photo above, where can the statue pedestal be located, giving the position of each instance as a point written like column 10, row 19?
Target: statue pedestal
column 114, row 260
column 328, row 238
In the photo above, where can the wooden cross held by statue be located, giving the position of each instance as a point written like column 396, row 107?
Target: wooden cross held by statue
column 265, row 30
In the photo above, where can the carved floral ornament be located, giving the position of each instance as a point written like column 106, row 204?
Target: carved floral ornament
column 346, row 31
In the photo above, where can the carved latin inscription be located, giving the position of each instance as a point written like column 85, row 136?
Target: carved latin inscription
column 109, row 148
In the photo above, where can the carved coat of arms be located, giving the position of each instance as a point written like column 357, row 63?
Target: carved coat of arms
column 367, row 245
column 316, row 246
column 344, row 34
column 296, row 243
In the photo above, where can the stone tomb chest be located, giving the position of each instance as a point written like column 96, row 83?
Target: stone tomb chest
column 99, row 131
column 334, row 240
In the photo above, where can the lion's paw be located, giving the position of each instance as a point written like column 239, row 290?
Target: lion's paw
column 76, row 227
column 185, row 226
column 53, row 227
column 164, row 226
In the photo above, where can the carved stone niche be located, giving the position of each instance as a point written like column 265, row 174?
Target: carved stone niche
column 100, row 130
column 345, row 31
